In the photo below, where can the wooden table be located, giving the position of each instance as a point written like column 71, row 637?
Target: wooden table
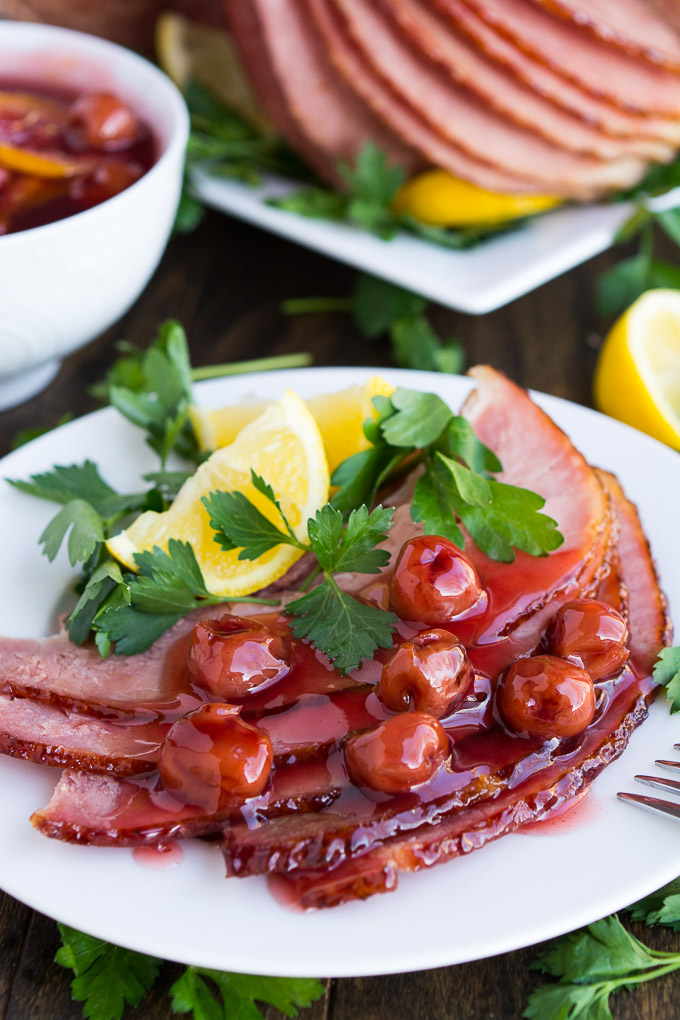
column 226, row 283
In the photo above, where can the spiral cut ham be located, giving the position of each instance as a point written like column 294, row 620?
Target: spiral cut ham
column 574, row 98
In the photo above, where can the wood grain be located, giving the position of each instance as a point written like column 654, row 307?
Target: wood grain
column 226, row 284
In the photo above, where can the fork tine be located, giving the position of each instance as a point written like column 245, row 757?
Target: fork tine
column 672, row 766
column 653, row 804
column 670, row 785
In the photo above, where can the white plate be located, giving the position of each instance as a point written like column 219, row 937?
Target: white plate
column 517, row 891
column 476, row 281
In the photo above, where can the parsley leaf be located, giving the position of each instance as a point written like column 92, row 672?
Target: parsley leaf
column 667, row 673
column 419, row 419
column 106, row 977
column 238, row 524
column 168, row 585
column 661, row 907
column 336, row 623
column 238, row 994
column 373, row 183
column 352, row 549
column 87, row 532
column 79, row 481
column 99, row 586
column 433, row 502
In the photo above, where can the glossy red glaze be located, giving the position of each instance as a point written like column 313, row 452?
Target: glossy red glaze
column 100, row 120
column 235, row 656
column 591, row 634
column 211, row 758
column 109, row 145
column 430, row 673
column 397, row 754
column 433, row 582
column 544, row 696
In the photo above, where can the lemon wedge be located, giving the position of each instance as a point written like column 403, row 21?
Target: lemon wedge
column 637, row 377
column 190, row 51
column 339, row 416
column 284, row 446
column 438, row 198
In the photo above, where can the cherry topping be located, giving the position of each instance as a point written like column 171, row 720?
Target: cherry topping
column 430, row 672
column 544, row 696
column 433, row 581
column 234, row 656
column 211, row 758
column 102, row 121
column 397, row 754
column 592, row 634
column 106, row 180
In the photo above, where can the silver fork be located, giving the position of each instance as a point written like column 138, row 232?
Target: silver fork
column 655, row 804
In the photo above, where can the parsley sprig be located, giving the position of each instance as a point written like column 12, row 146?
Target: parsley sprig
column 667, row 673
column 456, row 487
column 107, row 977
column 339, row 625
column 593, row 963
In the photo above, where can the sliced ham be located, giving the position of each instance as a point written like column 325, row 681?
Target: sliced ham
column 408, row 126
column 106, row 811
column 600, row 69
column 649, row 621
column 658, row 132
column 306, row 101
column 502, row 92
column 456, row 115
column 644, row 29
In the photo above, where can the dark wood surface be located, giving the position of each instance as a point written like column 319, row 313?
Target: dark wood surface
column 226, row 283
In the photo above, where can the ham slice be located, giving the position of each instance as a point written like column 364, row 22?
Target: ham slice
column 461, row 119
column 408, row 126
column 646, row 30
column 599, row 69
column 504, row 94
column 541, row 79
column 306, row 101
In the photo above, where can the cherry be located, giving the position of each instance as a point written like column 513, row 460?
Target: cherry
column 234, row 656
column 544, row 696
column 431, row 672
column 591, row 634
column 102, row 121
column 433, row 581
column 106, row 180
column 397, row 754
column 212, row 759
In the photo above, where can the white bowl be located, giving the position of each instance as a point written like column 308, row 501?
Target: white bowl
column 64, row 283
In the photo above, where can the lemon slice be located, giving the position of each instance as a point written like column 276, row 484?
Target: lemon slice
column 637, row 378
column 340, row 417
column 190, row 51
column 284, row 446
column 442, row 200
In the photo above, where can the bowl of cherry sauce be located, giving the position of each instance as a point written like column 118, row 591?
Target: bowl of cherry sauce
column 92, row 141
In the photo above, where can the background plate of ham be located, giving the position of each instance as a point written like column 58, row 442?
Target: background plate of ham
column 517, row 891
column 476, row 281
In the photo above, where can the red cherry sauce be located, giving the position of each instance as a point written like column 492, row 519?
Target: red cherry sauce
column 51, row 122
column 159, row 858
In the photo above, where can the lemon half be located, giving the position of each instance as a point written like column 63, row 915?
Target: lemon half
column 284, row 446
column 637, row 378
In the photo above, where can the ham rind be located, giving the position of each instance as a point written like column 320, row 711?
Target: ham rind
column 504, row 94
column 599, row 69
column 307, row 102
column 641, row 28
column 456, row 115
column 650, row 624
column 659, row 132
column 411, row 128
column 108, row 811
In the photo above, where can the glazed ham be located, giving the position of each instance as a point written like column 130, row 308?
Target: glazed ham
column 315, row 829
